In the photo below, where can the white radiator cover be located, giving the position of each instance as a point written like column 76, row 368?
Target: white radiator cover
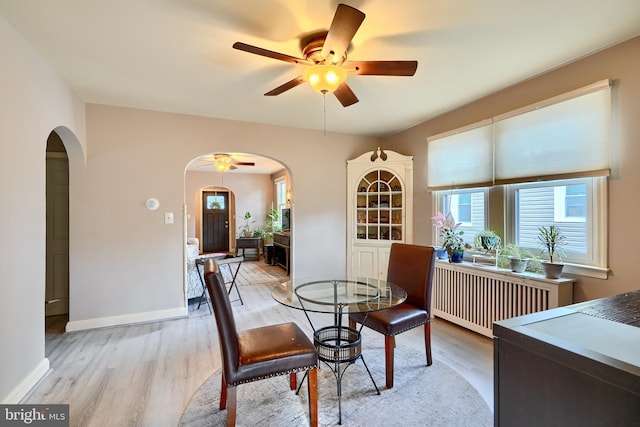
column 475, row 296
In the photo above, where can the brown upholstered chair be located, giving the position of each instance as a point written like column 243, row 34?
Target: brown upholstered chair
column 411, row 268
column 258, row 353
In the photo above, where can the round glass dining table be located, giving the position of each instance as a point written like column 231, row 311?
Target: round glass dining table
column 334, row 295
column 336, row 343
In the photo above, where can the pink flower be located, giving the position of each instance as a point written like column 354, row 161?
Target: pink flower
column 445, row 221
column 451, row 239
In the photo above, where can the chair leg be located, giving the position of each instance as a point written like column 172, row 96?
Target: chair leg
column 427, row 342
column 312, row 386
column 223, row 394
column 389, row 346
column 293, row 381
column 352, row 324
column 231, row 407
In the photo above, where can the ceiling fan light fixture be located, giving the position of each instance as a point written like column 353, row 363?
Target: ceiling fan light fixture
column 324, row 78
column 222, row 164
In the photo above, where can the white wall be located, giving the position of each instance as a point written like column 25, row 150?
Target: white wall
column 33, row 103
column 126, row 264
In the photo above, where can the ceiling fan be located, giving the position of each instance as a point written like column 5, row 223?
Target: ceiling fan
column 325, row 56
column 223, row 162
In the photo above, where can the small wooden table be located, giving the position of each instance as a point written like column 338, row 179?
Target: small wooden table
column 249, row 243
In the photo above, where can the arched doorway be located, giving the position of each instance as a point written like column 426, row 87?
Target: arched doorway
column 64, row 154
column 57, row 235
column 250, row 189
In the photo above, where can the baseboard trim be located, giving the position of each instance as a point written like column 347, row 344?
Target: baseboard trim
column 125, row 319
column 25, row 386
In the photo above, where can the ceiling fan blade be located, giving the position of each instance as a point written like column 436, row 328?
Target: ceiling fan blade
column 345, row 95
column 345, row 23
column 285, row 87
column 382, row 68
column 270, row 54
column 244, row 163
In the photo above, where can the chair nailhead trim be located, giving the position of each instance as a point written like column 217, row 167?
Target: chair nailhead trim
column 275, row 374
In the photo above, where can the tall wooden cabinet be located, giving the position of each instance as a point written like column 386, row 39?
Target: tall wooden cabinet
column 379, row 210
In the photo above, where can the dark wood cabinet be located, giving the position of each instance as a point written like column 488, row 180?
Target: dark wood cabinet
column 281, row 248
column 577, row 365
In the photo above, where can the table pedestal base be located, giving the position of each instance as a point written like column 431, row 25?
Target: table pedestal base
column 337, row 345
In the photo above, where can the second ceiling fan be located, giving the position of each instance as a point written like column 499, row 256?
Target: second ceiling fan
column 325, row 56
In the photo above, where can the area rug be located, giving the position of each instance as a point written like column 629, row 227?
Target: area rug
column 421, row 396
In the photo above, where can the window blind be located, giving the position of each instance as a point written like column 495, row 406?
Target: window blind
column 557, row 140
column 562, row 137
column 462, row 158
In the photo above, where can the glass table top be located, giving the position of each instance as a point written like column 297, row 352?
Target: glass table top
column 356, row 295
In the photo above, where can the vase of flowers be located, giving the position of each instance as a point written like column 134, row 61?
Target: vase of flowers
column 450, row 237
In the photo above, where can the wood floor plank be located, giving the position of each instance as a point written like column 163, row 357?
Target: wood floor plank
column 145, row 374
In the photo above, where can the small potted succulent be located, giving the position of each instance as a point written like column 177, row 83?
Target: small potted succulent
column 552, row 241
column 488, row 240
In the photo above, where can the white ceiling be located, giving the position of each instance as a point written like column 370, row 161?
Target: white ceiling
column 176, row 55
column 262, row 165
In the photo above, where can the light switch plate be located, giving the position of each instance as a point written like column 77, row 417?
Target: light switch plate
column 168, row 217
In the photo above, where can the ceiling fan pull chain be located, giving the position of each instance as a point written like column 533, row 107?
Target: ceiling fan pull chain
column 324, row 112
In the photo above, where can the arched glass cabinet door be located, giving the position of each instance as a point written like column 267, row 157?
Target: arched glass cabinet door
column 379, row 206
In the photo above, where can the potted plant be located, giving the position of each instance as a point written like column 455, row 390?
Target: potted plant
column 488, row 240
column 552, row 241
column 516, row 258
column 452, row 241
column 245, row 229
column 271, row 224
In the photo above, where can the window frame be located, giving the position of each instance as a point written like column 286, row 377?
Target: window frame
column 281, row 193
column 438, row 202
column 499, row 203
column 595, row 262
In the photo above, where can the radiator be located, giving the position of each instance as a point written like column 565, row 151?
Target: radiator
column 475, row 296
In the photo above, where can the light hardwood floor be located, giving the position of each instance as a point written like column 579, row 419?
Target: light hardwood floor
column 145, row 374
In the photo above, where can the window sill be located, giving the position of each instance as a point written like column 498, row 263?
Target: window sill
column 505, row 272
column 577, row 270
column 586, row 271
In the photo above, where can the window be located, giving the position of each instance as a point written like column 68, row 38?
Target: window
column 570, row 203
column 576, row 206
column 215, row 202
column 467, row 207
column 462, row 203
column 281, row 193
